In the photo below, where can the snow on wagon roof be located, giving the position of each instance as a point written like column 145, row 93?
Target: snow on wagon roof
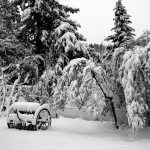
column 25, row 106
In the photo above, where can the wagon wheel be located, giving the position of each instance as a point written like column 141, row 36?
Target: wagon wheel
column 43, row 119
column 10, row 125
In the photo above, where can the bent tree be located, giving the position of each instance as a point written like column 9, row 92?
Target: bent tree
column 83, row 83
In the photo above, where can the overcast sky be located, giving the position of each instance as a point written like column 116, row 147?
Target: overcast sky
column 96, row 17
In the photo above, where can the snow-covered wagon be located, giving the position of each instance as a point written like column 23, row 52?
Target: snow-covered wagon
column 29, row 116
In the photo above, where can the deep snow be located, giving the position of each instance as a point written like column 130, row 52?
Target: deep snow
column 74, row 134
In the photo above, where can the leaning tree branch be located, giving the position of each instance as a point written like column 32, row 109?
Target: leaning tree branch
column 106, row 97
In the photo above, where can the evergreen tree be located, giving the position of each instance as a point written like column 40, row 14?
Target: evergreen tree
column 12, row 51
column 47, row 29
column 123, row 32
column 9, row 19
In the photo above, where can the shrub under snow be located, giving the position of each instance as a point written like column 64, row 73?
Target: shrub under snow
column 83, row 84
column 135, row 79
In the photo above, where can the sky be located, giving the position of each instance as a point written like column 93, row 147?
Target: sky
column 96, row 17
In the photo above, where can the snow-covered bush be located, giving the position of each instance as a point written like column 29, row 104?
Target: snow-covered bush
column 83, row 84
column 135, row 78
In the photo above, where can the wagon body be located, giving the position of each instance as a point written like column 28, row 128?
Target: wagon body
column 28, row 115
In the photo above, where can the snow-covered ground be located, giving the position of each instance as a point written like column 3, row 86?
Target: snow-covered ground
column 74, row 134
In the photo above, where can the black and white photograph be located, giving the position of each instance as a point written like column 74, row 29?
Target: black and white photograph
column 74, row 75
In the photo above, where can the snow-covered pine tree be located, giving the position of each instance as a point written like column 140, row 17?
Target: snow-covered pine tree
column 11, row 51
column 134, row 76
column 9, row 17
column 123, row 32
column 47, row 28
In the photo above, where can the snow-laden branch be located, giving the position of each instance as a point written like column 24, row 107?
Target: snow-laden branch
column 83, row 84
column 134, row 76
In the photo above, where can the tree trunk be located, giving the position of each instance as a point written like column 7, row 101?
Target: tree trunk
column 107, row 97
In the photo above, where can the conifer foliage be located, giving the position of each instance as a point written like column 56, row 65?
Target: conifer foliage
column 47, row 29
column 9, row 19
column 123, row 32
